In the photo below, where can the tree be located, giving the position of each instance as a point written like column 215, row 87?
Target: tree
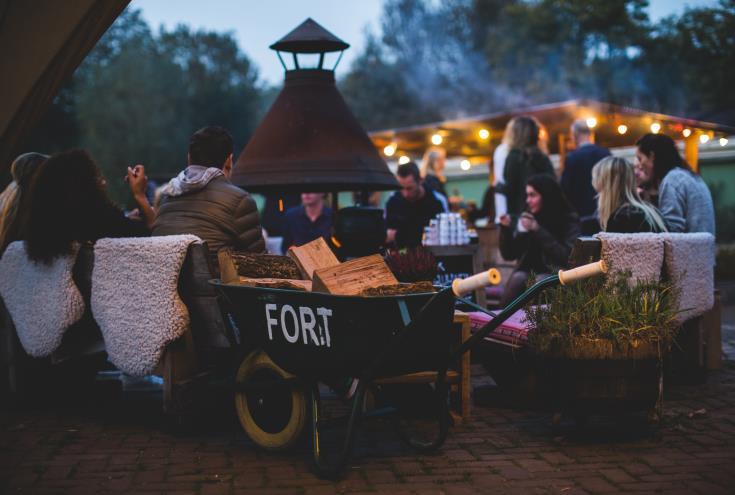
column 692, row 56
column 377, row 93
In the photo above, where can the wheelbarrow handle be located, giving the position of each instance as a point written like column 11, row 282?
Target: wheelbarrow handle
column 585, row 271
column 463, row 286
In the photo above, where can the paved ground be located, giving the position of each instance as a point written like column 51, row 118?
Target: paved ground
column 121, row 443
column 115, row 442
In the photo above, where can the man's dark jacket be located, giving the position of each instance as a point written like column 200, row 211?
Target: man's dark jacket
column 576, row 180
column 219, row 213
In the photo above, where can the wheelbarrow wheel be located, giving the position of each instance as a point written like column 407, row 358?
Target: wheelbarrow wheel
column 273, row 417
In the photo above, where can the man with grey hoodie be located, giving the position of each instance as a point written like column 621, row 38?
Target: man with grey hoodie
column 202, row 201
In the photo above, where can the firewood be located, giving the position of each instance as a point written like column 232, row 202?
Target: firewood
column 257, row 265
column 393, row 290
column 354, row 276
column 312, row 256
column 276, row 283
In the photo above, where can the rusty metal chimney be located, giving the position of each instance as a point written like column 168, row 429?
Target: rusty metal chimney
column 309, row 140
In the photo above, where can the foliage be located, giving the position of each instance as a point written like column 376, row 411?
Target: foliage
column 603, row 317
column 412, row 265
column 138, row 96
column 461, row 57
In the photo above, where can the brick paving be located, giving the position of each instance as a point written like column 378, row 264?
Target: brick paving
column 121, row 443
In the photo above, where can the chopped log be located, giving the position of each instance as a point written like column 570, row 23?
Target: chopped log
column 312, row 256
column 227, row 268
column 276, row 283
column 354, row 276
column 254, row 265
column 394, row 290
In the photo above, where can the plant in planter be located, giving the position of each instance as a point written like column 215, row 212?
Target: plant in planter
column 412, row 265
column 601, row 342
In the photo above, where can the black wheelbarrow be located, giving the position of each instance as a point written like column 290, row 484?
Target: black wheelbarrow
column 297, row 339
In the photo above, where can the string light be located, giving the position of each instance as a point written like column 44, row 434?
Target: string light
column 436, row 139
column 704, row 138
column 655, row 127
column 723, row 141
column 465, row 165
column 591, row 122
column 686, row 132
column 622, row 129
column 484, row 133
column 403, row 160
column 390, row 150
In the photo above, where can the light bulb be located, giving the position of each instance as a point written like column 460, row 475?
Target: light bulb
column 723, row 141
column 465, row 165
column 704, row 138
column 484, row 133
column 622, row 129
column 655, row 127
column 403, row 159
column 436, row 139
column 591, row 122
column 389, row 150
column 686, row 132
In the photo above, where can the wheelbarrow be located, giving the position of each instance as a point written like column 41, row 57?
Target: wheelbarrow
column 297, row 339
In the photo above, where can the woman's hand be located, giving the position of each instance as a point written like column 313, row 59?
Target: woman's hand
column 505, row 220
column 137, row 181
column 529, row 222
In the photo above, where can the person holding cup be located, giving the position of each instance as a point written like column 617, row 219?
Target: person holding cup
column 541, row 238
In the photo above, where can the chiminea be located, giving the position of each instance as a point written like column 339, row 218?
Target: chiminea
column 309, row 141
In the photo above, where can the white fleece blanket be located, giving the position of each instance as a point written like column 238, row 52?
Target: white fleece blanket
column 43, row 300
column 135, row 298
column 641, row 254
column 689, row 262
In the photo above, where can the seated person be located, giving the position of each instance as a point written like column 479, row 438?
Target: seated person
column 69, row 203
column 202, row 201
column 409, row 210
column 543, row 237
column 308, row 221
column 14, row 200
column 619, row 207
column 684, row 199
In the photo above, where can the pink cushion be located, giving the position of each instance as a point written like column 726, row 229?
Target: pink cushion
column 513, row 330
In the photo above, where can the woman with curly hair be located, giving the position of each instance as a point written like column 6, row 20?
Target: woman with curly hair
column 69, row 203
column 14, row 199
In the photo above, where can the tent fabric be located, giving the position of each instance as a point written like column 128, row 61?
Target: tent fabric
column 41, row 44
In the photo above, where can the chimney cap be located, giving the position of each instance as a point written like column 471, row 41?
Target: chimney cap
column 309, row 37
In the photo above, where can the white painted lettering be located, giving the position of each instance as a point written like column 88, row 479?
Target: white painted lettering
column 325, row 313
column 308, row 322
column 269, row 321
column 291, row 338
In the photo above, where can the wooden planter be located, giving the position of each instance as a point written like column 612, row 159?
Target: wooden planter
column 580, row 382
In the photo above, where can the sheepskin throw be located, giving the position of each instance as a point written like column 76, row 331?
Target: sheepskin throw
column 135, row 298
column 689, row 263
column 42, row 300
column 640, row 254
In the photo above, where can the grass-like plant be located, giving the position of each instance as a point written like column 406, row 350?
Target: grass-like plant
column 604, row 317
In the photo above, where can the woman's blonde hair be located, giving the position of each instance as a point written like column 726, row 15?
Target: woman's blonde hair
column 432, row 157
column 22, row 171
column 614, row 180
